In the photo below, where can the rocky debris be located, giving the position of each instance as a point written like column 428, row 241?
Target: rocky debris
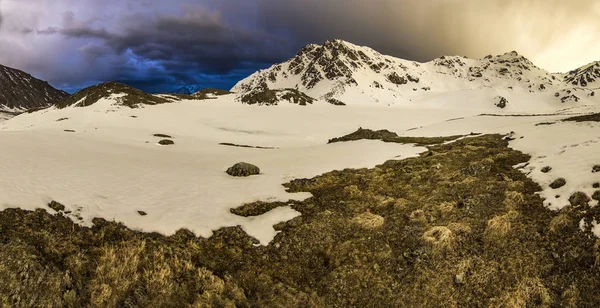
column 476, row 71
column 449, row 62
column 142, row 213
column 396, row 79
column 570, row 98
column 558, row 183
column 596, row 185
column 243, row 169
column 265, row 96
column 546, row 169
column 502, row 102
column 19, row 90
column 162, row 136
column 166, row 142
column 335, row 102
column 56, row 206
column 596, row 194
column 131, row 97
column 412, row 78
column 596, row 168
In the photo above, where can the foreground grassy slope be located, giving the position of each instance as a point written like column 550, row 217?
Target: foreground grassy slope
column 456, row 227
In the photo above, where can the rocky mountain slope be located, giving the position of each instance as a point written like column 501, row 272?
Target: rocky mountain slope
column 341, row 72
column 585, row 76
column 21, row 91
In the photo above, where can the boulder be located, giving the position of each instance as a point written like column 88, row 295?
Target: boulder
column 166, row 142
column 558, row 183
column 243, row 169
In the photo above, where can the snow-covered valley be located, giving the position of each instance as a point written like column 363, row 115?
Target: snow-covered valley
column 96, row 152
column 103, row 160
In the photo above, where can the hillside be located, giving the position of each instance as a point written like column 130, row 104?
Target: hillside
column 118, row 93
column 21, row 91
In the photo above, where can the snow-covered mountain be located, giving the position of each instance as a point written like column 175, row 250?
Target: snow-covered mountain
column 341, row 72
column 20, row 91
column 189, row 89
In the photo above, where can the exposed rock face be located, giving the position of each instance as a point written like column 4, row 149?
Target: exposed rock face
column 243, row 169
column 127, row 96
column 265, row 96
column 584, row 75
column 19, row 90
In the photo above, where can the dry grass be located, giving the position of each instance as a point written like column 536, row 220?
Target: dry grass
column 368, row 221
column 498, row 229
column 440, row 238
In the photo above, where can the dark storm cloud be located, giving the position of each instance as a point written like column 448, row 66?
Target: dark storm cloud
column 197, row 41
column 160, row 44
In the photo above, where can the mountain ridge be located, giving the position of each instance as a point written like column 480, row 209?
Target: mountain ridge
column 20, row 91
column 347, row 72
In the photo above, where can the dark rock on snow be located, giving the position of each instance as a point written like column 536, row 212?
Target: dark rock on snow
column 243, row 169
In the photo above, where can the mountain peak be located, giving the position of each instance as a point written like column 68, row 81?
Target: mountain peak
column 188, row 89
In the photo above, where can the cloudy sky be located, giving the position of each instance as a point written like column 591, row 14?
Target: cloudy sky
column 159, row 45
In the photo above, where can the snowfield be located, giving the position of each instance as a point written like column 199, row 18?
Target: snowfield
column 103, row 160
column 112, row 167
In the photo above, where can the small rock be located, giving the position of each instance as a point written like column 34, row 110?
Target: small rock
column 459, row 278
column 56, row 206
column 142, row 213
column 546, row 169
column 596, row 168
column 166, row 142
column 596, row 185
column 69, row 130
column 243, row 169
column 558, row 183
